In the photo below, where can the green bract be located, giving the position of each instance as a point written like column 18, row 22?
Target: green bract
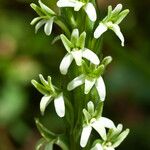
column 82, row 106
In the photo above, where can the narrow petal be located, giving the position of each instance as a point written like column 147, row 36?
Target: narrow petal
column 39, row 25
column 59, row 105
column 98, row 146
column 65, row 63
column 91, row 56
column 44, row 102
column 106, row 122
column 77, row 55
column 48, row 27
column 85, row 135
column 76, row 82
column 100, row 129
column 100, row 30
column 66, row 3
column 88, row 85
column 117, row 31
column 91, row 12
column 100, row 86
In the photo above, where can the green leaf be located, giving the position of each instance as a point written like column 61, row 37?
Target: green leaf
column 37, row 9
column 120, row 138
column 45, row 133
column 74, row 36
column 67, row 44
column 81, row 40
column 40, row 144
column 122, row 15
column 40, row 87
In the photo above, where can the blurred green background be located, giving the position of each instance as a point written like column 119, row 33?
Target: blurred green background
column 23, row 55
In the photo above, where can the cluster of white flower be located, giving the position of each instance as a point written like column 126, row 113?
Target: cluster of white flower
column 91, row 72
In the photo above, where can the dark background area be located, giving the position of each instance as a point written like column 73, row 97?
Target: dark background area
column 23, row 55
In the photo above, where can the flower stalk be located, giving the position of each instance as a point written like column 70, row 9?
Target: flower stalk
column 80, row 102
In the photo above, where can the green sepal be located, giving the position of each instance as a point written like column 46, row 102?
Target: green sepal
column 120, row 138
column 113, row 133
column 40, row 87
column 106, row 61
column 37, row 9
column 99, row 109
column 116, row 11
column 90, row 107
column 85, row 68
column 44, row 82
column 122, row 15
column 74, row 37
column 45, row 133
column 40, row 144
column 87, row 115
column 99, row 71
column 109, row 11
column 81, row 40
column 46, row 9
column 67, row 44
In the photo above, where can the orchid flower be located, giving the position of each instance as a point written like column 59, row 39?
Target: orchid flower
column 50, row 94
column 112, row 21
column 115, row 137
column 46, row 16
column 76, row 50
column 98, row 123
column 77, row 5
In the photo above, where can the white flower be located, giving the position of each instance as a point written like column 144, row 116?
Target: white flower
column 76, row 51
column 112, row 21
column 114, row 139
column 99, row 125
column 46, row 18
column 89, row 83
column 102, row 27
column 50, row 94
column 77, row 5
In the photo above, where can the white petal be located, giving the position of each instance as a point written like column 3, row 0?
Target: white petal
column 91, row 12
column 39, row 25
column 100, row 30
column 106, row 122
column 65, row 63
column 77, row 55
column 66, row 3
column 100, row 129
column 98, row 146
column 48, row 27
column 59, row 105
column 78, row 6
column 109, row 148
column 76, row 82
column 100, row 86
column 85, row 135
column 91, row 56
column 88, row 85
column 117, row 31
column 44, row 102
